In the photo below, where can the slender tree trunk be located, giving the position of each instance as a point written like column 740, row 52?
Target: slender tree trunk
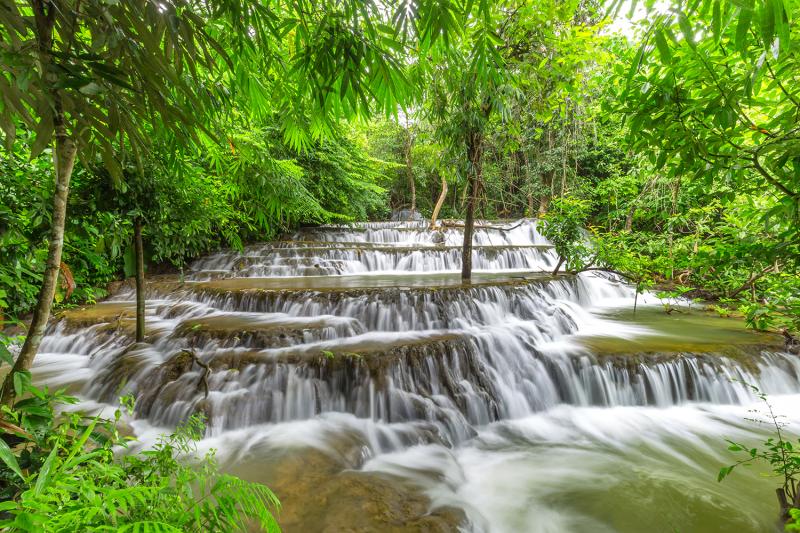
column 412, row 186
column 629, row 218
column 439, row 202
column 558, row 265
column 64, row 161
column 528, row 183
column 673, row 211
column 138, row 247
column 548, row 180
column 474, row 153
column 544, row 203
column 469, row 224
column 544, row 198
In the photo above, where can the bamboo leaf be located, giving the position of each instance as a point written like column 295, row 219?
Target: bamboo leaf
column 716, row 20
column 742, row 27
column 663, row 47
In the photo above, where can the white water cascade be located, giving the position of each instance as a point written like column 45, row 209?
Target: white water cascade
column 523, row 401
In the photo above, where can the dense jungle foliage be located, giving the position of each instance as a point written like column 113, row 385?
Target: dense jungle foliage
column 210, row 124
column 248, row 190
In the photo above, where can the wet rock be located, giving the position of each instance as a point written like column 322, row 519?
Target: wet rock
column 106, row 312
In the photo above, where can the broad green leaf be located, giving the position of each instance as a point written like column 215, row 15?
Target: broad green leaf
column 21, row 381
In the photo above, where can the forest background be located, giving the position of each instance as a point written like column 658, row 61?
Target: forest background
column 675, row 145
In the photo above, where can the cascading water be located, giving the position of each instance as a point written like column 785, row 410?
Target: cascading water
column 361, row 341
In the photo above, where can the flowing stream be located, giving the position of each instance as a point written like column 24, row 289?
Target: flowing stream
column 354, row 373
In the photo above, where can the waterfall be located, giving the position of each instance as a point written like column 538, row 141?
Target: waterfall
column 368, row 328
column 392, row 334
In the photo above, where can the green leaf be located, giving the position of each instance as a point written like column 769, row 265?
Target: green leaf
column 768, row 22
column 686, row 29
column 77, row 447
column 44, row 473
column 716, row 21
column 111, row 164
column 663, row 47
column 21, row 381
column 5, row 355
column 724, row 472
column 149, row 526
column 8, row 458
column 637, row 62
column 44, row 134
column 742, row 27
column 8, row 505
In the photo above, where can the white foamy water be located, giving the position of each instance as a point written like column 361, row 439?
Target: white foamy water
column 362, row 342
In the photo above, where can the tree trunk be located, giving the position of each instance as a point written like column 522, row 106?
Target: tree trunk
column 64, row 161
column 635, row 204
column 439, row 202
column 548, row 180
column 673, row 211
column 474, row 153
column 544, row 203
column 528, row 185
column 138, row 247
column 412, row 186
column 629, row 218
column 469, row 224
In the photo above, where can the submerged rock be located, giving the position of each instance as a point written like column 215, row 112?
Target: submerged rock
column 322, row 494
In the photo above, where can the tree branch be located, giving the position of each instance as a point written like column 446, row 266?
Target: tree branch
column 771, row 179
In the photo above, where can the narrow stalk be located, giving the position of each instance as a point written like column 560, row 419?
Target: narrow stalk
column 138, row 246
